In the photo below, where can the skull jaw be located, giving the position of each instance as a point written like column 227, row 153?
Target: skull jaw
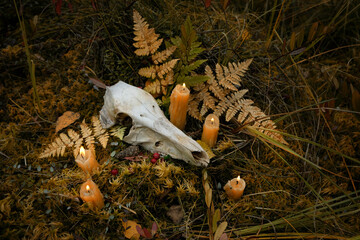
column 155, row 142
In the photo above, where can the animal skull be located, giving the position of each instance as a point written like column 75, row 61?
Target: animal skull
column 150, row 128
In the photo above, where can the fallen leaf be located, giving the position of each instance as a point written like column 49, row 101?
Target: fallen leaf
column 97, row 82
column 66, row 119
column 130, row 229
column 220, row 230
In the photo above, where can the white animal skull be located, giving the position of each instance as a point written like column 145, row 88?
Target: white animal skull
column 150, row 128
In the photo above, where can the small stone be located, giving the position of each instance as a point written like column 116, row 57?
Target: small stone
column 167, row 157
column 154, row 160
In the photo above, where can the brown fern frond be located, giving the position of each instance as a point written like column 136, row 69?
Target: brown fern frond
column 204, row 109
column 201, row 87
column 193, row 108
column 231, row 112
column 231, row 76
column 100, row 133
column 66, row 140
column 146, row 40
column 77, row 146
column 56, row 148
column 148, row 72
column 160, row 57
column 153, row 87
column 165, row 68
column 209, row 101
column 221, row 108
column 218, row 91
column 74, row 136
column 86, row 133
column 169, row 79
column 245, row 109
column 209, row 73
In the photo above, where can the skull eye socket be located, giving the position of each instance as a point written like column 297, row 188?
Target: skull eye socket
column 157, row 144
column 124, row 120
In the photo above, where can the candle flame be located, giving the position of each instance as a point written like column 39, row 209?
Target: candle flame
column 212, row 120
column 87, row 188
column 82, row 151
column 184, row 85
column 238, row 178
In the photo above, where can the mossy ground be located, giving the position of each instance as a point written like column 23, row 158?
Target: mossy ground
column 285, row 195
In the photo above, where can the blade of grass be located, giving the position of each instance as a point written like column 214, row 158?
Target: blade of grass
column 30, row 62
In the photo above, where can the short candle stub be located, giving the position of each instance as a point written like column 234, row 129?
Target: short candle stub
column 235, row 188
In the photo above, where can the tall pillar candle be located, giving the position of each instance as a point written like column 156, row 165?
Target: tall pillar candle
column 210, row 130
column 86, row 160
column 90, row 193
column 179, row 105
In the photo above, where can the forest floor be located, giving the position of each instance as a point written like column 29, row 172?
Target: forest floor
column 304, row 75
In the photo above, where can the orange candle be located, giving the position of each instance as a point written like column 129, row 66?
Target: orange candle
column 235, row 188
column 179, row 105
column 210, row 130
column 90, row 193
column 86, row 160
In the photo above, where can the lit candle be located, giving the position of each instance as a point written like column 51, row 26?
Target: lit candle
column 179, row 105
column 235, row 188
column 90, row 193
column 210, row 130
column 86, row 160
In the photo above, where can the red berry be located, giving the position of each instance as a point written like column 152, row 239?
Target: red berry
column 156, row 155
column 114, row 172
column 153, row 160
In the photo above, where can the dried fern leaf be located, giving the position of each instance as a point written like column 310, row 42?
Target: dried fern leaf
column 77, row 146
column 209, row 101
column 99, row 132
column 169, row 79
column 245, row 109
column 193, row 108
column 118, row 132
column 85, row 130
column 86, row 133
column 146, row 40
column 66, row 140
column 74, row 136
column 204, row 109
column 56, row 148
column 154, row 87
column 231, row 112
column 148, row 72
column 230, row 76
column 165, row 67
column 201, row 87
column 221, row 108
column 160, row 57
